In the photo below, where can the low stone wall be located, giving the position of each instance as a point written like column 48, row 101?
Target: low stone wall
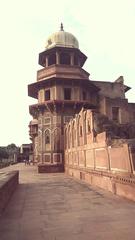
column 8, row 184
column 119, row 184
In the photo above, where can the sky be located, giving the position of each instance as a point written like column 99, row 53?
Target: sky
column 105, row 30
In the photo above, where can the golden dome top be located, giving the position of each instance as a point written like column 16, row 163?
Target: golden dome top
column 62, row 39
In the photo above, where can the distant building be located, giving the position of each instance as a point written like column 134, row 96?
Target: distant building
column 26, row 152
column 62, row 89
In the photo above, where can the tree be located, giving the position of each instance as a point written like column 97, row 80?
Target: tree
column 3, row 153
column 12, row 147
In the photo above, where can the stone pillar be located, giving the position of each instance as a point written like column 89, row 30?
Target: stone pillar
column 79, row 62
column 77, row 131
column 72, row 59
column 57, row 58
column 92, row 127
column 46, row 61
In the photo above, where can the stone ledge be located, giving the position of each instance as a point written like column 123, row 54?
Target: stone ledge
column 8, row 184
column 121, row 185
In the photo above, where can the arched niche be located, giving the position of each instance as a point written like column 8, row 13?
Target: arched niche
column 47, row 139
column 65, row 138
column 69, row 136
column 80, row 130
column 73, row 133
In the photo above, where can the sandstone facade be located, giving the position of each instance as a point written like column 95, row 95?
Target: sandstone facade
column 62, row 89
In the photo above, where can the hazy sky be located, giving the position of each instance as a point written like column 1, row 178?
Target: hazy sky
column 106, row 33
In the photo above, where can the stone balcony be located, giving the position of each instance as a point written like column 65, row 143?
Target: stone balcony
column 62, row 71
column 33, row 132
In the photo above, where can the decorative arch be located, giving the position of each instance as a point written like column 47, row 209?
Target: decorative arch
column 65, row 137
column 88, row 126
column 77, row 128
column 47, row 134
column 87, row 120
column 84, row 126
column 69, row 135
column 80, row 129
column 74, row 133
column 47, row 137
column 80, row 126
column 56, row 139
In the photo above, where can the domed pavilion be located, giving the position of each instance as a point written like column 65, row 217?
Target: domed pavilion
column 62, row 89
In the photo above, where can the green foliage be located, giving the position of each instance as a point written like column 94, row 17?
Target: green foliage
column 11, row 149
column 8, row 151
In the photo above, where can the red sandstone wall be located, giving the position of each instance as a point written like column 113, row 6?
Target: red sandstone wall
column 83, row 149
column 104, row 158
column 93, row 161
column 119, row 158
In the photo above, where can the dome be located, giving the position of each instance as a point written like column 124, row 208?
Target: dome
column 62, row 39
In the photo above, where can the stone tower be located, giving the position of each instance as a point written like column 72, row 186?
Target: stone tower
column 62, row 89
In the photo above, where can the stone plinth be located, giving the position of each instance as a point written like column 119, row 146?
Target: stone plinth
column 121, row 184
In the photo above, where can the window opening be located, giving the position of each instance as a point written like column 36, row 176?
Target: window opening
column 67, row 93
column 52, row 59
column 115, row 114
column 47, row 95
column 84, row 95
column 65, row 59
column 47, row 137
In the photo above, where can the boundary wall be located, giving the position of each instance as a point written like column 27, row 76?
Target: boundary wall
column 91, row 156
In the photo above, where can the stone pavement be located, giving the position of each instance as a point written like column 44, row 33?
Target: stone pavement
column 56, row 207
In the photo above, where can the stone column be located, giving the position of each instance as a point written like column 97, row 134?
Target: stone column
column 57, row 57
column 46, row 61
column 79, row 62
column 72, row 59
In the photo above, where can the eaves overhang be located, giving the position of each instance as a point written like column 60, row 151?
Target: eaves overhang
column 126, row 88
column 35, row 87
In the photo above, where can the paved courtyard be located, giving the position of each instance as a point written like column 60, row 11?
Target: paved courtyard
column 56, row 207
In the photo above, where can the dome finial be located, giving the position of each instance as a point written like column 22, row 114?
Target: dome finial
column 61, row 27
